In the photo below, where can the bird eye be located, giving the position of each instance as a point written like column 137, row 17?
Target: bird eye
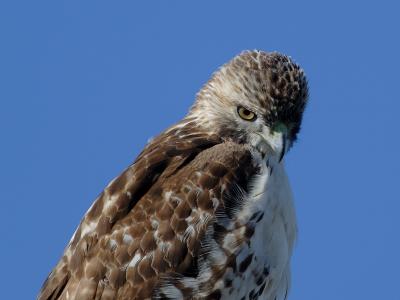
column 246, row 114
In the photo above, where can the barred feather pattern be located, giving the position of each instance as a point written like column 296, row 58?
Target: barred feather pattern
column 204, row 212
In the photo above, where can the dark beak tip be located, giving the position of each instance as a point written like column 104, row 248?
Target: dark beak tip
column 282, row 155
column 283, row 149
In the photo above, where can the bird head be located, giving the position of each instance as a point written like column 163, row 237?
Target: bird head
column 257, row 98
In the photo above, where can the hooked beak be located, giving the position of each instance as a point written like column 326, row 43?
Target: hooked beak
column 283, row 149
column 280, row 139
column 277, row 140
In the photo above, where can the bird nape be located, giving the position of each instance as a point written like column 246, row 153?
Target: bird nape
column 205, row 211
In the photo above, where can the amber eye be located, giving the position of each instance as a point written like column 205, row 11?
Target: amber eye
column 246, row 114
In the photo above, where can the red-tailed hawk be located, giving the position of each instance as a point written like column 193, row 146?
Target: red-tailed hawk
column 205, row 211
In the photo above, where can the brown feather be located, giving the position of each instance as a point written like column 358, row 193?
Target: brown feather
column 163, row 157
column 154, row 226
column 90, row 262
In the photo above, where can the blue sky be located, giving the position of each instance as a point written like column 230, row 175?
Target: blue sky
column 84, row 85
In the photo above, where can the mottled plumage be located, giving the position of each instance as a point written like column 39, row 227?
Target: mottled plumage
column 205, row 211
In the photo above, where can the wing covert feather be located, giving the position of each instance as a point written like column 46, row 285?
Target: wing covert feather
column 149, row 222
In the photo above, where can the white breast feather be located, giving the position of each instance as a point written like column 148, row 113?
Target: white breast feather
column 274, row 236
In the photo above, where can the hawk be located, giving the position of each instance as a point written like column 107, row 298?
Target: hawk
column 205, row 211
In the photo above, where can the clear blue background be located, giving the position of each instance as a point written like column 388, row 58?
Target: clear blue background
column 84, row 85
